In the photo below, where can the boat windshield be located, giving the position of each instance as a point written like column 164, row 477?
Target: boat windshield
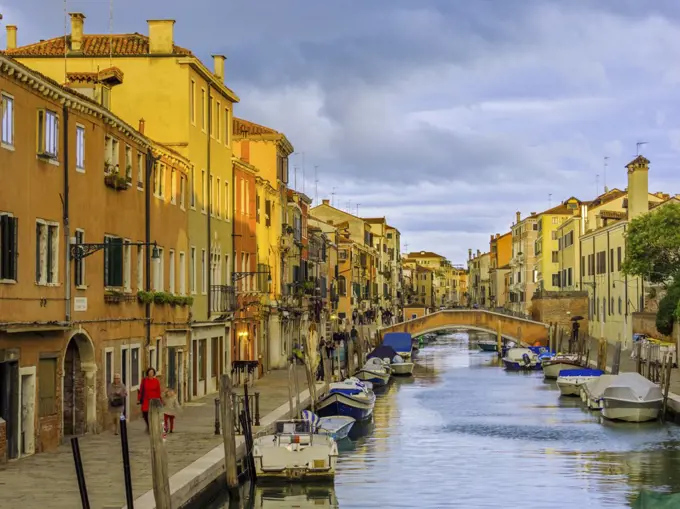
column 292, row 427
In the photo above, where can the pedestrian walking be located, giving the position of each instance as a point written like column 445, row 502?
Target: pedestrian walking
column 149, row 389
column 116, row 393
column 170, row 409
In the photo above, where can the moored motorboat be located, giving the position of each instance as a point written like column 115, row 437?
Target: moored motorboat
column 335, row 426
column 591, row 392
column 295, row 453
column 631, row 397
column 376, row 372
column 351, row 398
column 401, row 343
column 521, row 359
column 570, row 381
column 487, row 346
column 557, row 363
column 400, row 367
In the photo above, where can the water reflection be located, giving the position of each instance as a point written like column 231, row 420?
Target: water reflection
column 464, row 433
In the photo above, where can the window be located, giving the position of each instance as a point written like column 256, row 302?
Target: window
column 211, row 190
column 192, row 102
column 611, row 260
column 47, row 387
column 182, row 191
column 192, row 190
column 140, row 171
column 555, row 257
column 204, row 274
column 48, row 133
column 342, row 285
column 172, row 271
column 135, row 367
column 173, row 186
column 257, row 207
column 7, row 126
column 618, row 257
column 159, row 181
column 182, row 274
column 128, row 164
column 227, row 125
column 215, row 356
column 226, row 201
column 46, row 252
column 127, row 265
column 218, row 118
column 201, row 359
column 192, row 271
column 115, row 154
column 113, row 261
column 204, row 191
column 79, row 265
column 248, row 213
column 569, row 277
column 80, row 148
column 620, row 306
column 243, row 196
column 9, row 243
column 601, row 262
column 204, row 118
column 140, row 268
column 217, row 201
column 159, row 356
column 267, row 213
column 212, row 119
column 158, row 283
column 108, row 365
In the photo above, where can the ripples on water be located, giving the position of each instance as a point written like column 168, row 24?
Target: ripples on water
column 464, row 433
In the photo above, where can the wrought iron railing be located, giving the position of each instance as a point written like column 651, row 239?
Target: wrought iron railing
column 222, row 299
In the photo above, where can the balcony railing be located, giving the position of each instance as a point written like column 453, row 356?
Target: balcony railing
column 222, row 299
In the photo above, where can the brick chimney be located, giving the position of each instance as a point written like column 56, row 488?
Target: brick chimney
column 77, row 22
column 326, row 202
column 142, row 124
column 519, row 216
column 11, row 36
column 161, row 36
column 638, row 187
column 498, row 235
column 469, row 254
column 218, row 66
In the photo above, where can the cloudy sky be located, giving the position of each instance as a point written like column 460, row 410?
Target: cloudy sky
column 446, row 116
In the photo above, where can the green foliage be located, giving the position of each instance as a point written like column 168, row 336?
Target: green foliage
column 161, row 298
column 668, row 307
column 653, row 245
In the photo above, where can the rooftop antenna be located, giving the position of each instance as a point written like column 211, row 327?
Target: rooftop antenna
column 549, row 200
column 358, row 209
column 295, row 177
column 65, row 39
column 597, row 185
column 606, row 159
column 349, row 206
column 406, row 246
column 316, row 185
column 638, row 145
column 333, row 196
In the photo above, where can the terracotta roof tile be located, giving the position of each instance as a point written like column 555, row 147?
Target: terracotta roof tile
column 244, row 127
column 93, row 45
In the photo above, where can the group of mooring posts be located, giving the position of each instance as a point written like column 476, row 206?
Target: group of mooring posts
column 157, row 454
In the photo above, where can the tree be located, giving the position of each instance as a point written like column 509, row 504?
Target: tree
column 667, row 313
column 653, row 245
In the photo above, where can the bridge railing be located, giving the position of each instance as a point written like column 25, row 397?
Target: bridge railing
column 509, row 312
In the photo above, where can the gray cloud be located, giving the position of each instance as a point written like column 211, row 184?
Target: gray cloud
column 444, row 116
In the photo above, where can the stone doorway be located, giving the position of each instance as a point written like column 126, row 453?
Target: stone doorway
column 79, row 395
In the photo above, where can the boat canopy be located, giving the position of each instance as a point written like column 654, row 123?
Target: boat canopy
column 581, row 372
column 400, row 341
column 632, row 386
column 382, row 352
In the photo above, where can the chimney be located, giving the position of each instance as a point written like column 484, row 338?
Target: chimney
column 218, row 65
column 326, row 202
column 519, row 216
column 161, row 36
column 638, row 187
column 469, row 254
column 142, row 124
column 77, row 21
column 11, row 36
column 498, row 235
column 492, row 237
column 478, row 253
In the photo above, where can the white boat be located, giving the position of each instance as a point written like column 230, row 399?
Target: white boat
column 570, row 381
column 400, row 367
column 376, row 372
column 295, row 453
column 553, row 366
column 631, row 398
column 591, row 392
column 517, row 359
column 335, row 426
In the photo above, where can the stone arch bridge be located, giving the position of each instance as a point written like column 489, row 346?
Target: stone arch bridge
column 520, row 330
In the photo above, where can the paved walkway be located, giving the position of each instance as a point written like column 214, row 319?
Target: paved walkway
column 48, row 480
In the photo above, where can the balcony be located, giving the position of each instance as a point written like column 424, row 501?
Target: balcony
column 222, row 299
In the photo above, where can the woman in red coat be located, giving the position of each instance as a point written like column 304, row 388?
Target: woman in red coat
column 149, row 389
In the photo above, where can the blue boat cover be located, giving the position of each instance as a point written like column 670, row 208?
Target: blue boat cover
column 581, row 372
column 538, row 350
column 349, row 391
column 382, row 352
column 400, row 341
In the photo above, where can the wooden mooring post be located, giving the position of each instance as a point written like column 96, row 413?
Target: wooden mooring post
column 350, row 357
column 311, row 382
column 668, row 368
column 159, row 456
column 292, row 412
column 228, row 435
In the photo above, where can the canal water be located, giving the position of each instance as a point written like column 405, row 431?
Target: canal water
column 465, row 433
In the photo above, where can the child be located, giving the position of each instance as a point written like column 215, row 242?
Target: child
column 170, row 409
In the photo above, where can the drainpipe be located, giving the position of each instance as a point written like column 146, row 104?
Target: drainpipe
column 209, row 207
column 67, row 227
column 150, row 163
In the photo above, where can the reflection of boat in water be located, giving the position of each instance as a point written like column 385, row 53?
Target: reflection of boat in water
column 294, row 496
column 655, row 500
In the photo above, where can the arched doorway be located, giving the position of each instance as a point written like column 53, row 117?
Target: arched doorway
column 79, row 395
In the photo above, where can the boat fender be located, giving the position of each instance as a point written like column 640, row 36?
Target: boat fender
column 526, row 359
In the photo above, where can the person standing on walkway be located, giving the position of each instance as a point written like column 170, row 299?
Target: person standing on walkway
column 149, row 389
column 170, row 410
column 116, row 394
